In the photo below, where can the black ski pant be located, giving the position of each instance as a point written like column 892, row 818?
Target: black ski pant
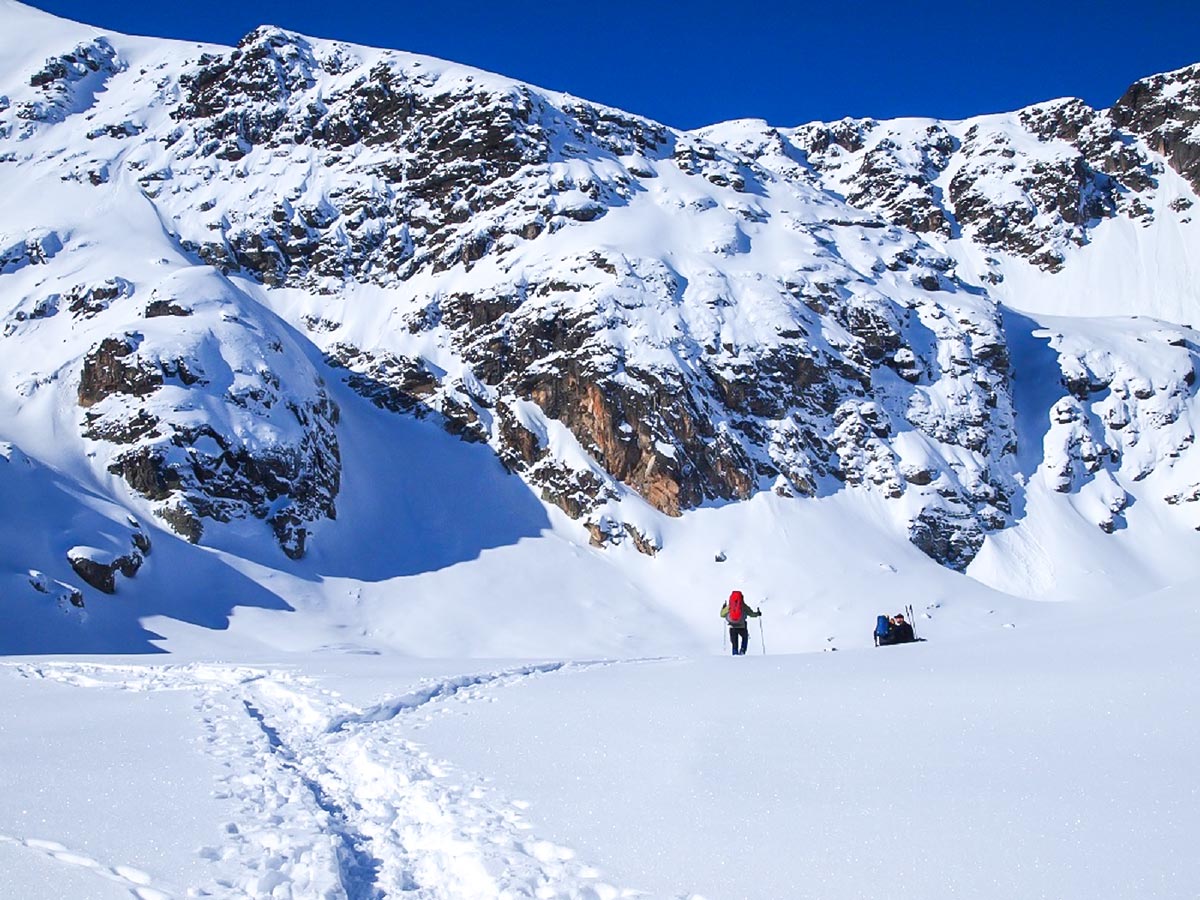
column 739, row 633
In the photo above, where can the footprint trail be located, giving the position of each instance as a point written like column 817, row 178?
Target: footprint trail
column 333, row 802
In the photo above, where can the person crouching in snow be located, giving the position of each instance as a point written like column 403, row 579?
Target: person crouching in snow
column 736, row 612
column 902, row 632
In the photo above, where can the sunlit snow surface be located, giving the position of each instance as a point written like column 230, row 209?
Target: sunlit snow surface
column 454, row 696
column 990, row 767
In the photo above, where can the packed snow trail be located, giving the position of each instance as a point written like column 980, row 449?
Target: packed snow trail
column 333, row 802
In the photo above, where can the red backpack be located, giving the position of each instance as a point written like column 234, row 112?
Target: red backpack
column 736, row 613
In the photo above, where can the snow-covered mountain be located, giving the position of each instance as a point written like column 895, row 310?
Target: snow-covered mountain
column 300, row 324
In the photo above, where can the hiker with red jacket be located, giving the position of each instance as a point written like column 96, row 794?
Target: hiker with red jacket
column 736, row 612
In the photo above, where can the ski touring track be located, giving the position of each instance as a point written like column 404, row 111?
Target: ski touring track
column 334, row 803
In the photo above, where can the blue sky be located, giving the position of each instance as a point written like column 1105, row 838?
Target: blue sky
column 692, row 63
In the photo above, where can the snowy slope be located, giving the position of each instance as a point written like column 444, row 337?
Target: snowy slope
column 348, row 335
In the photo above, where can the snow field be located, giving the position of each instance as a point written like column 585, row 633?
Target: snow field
column 325, row 801
column 1001, row 765
column 1012, row 765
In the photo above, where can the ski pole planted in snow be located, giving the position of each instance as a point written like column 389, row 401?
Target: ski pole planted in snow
column 762, row 641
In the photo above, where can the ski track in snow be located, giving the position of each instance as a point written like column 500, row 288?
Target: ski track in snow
column 333, row 802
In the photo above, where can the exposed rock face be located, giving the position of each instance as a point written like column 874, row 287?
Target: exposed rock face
column 1029, row 185
column 160, row 307
column 1165, row 111
column 407, row 385
column 1052, row 201
column 794, row 415
column 267, row 448
column 1113, row 405
column 442, row 151
column 625, row 313
column 37, row 248
column 70, row 82
column 893, row 177
column 100, row 570
column 953, row 538
column 201, row 473
column 110, row 368
column 198, row 473
column 85, row 301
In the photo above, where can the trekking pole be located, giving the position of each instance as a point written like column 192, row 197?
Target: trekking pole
column 762, row 641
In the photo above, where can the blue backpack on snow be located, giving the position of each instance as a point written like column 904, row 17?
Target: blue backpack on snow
column 882, row 627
